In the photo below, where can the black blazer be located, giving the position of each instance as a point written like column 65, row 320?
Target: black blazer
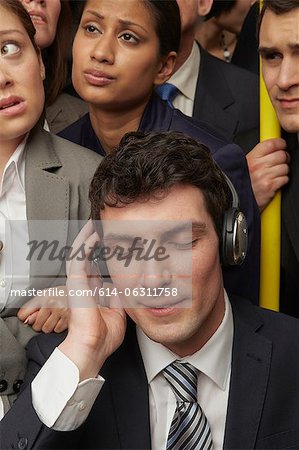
column 227, row 97
column 289, row 282
column 263, row 405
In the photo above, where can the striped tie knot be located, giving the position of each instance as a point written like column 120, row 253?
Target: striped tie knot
column 189, row 429
column 182, row 378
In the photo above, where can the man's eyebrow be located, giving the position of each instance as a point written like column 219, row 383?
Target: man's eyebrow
column 188, row 226
column 197, row 227
column 264, row 49
column 126, row 23
column 118, row 237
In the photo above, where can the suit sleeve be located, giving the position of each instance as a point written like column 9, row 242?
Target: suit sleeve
column 242, row 280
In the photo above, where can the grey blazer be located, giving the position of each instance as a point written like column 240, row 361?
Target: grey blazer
column 65, row 110
column 57, row 178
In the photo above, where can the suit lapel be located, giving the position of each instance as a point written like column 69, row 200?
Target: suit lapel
column 47, row 200
column 213, row 97
column 129, row 392
column 249, row 378
column 290, row 202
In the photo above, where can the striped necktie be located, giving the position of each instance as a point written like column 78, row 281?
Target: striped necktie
column 189, row 428
column 168, row 92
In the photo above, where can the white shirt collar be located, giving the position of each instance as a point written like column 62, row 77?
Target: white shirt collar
column 15, row 165
column 213, row 359
column 185, row 78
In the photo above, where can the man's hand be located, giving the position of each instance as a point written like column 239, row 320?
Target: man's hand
column 46, row 313
column 268, row 165
column 94, row 332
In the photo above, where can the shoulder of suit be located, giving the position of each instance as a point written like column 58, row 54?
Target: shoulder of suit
column 273, row 325
column 66, row 149
column 225, row 68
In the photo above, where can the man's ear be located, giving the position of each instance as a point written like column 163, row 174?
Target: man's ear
column 166, row 68
column 204, row 7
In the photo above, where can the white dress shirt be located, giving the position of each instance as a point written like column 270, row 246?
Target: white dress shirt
column 67, row 404
column 14, row 239
column 14, row 268
column 185, row 79
column 214, row 364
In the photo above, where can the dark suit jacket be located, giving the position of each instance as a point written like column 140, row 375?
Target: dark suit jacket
column 227, row 98
column 289, row 282
column 263, row 405
column 158, row 116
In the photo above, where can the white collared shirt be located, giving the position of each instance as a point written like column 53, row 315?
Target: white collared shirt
column 185, row 79
column 214, row 364
column 14, row 237
column 67, row 404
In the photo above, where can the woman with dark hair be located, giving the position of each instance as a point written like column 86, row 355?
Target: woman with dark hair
column 44, row 184
column 52, row 20
column 122, row 51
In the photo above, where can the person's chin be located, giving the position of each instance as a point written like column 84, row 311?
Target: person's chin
column 290, row 124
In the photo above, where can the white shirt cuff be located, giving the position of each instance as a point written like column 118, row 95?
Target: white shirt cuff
column 60, row 401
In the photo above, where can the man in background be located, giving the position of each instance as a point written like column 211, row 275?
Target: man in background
column 279, row 49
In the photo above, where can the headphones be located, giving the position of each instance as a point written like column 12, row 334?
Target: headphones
column 234, row 232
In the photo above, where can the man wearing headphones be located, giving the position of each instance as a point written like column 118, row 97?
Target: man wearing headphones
column 183, row 365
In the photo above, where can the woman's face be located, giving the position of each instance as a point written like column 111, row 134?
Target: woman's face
column 21, row 85
column 44, row 15
column 116, row 59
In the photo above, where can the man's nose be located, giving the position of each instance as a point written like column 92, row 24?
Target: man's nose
column 288, row 74
column 155, row 274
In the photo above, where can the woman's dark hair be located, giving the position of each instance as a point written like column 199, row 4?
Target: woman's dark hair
column 55, row 56
column 148, row 165
column 167, row 19
column 277, row 7
column 16, row 7
column 219, row 7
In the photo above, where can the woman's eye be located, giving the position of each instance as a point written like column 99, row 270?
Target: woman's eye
column 128, row 37
column 91, row 29
column 9, row 49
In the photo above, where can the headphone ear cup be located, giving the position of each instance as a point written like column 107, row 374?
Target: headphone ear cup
column 234, row 238
column 227, row 238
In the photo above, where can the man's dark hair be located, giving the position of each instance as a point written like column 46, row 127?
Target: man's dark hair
column 148, row 165
column 277, row 7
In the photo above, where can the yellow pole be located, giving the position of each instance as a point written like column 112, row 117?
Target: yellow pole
column 270, row 219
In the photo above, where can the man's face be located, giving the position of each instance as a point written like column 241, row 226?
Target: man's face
column 279, row 48
column 184, row 330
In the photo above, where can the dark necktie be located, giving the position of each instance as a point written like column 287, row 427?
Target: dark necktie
column 189, row 428
column 168, row 92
